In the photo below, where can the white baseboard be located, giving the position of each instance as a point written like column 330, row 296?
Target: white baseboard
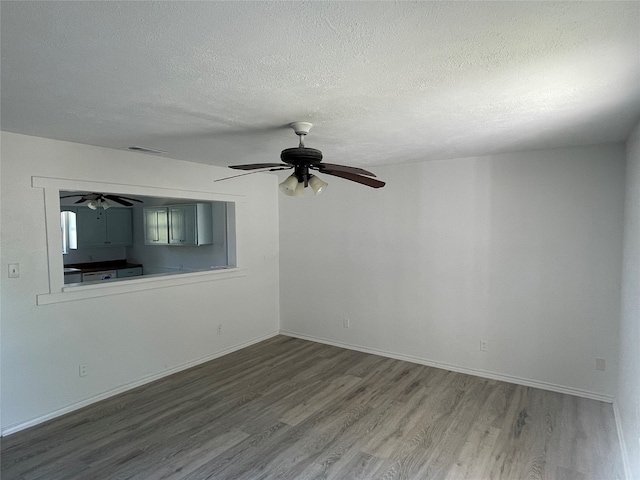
column 422, row 361
column 151, row 378
column 623, row 444
column 454, row 368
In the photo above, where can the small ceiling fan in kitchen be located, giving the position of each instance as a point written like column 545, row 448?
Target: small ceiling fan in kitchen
column 103, row 200
column 303, row 160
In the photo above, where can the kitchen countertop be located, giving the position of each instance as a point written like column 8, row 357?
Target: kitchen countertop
column 98, row 266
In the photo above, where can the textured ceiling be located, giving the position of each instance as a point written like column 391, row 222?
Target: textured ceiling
column 383, row 82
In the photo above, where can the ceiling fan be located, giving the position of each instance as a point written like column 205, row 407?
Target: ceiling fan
column 97, row 200
column 303, row 159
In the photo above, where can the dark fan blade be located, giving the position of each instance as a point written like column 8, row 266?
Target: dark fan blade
column 114, row 197
column 69, row 196
column 370, row 182
column 79, row 201
column 119, row 200
column 255, row 166
column 285, row 167
column 341, row 168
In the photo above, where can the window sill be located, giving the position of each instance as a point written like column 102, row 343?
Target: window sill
column 71, row 293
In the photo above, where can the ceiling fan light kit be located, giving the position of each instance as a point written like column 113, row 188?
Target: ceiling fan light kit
column 317, row 185
column 294, row 188
column 97, row 204
column 303, row 159
column 288, row 187
column 299, row 190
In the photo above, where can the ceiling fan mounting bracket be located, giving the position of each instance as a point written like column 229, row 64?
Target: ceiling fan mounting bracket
column 301, row 128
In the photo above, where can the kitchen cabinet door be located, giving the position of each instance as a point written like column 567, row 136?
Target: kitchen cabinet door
column 190, row 225
column 104, row 228
column 72, row 278
column 119, row 227
column 155, row 226
column 91, row 226
column 182, row 225
column 129, row 272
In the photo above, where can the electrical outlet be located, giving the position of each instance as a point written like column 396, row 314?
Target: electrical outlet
column 484, row 345
column 220, row 329
column 346, row 323
column 82, row 370
column 601, row 364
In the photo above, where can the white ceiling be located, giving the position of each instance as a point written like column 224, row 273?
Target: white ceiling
column 383, row 82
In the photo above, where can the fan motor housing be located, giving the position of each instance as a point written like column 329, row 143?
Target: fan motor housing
column 301, row 156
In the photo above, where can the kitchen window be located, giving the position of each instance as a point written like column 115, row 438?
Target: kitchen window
column 69, row 232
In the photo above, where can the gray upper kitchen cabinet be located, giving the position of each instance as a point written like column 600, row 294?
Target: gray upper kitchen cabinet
column 104, row 228
column 155, row 226
column 190, row 224
column 184, row 225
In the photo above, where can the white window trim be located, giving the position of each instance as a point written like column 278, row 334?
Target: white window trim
column 58, row 292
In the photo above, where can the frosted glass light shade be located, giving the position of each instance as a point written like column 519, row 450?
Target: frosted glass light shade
column 317, row 185
column 288, row 187
column 92, row 205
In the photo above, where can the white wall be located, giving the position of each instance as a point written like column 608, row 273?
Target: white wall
column 128, row 338
column 523, row 250
column 628, row 398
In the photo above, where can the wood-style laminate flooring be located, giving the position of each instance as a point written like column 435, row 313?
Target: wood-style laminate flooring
column 289, row 408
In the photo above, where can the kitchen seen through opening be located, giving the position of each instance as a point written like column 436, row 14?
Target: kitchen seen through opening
column 155, row 236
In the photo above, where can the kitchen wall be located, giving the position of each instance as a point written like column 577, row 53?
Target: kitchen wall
column 132, row 337
column 94, row 254
column 522, row 250
column 628, row 397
